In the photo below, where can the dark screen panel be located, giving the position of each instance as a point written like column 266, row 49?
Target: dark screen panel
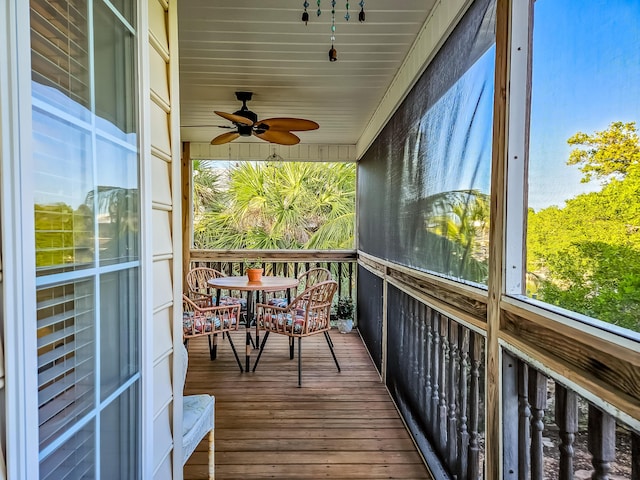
column 370, row 313
column 423, row 185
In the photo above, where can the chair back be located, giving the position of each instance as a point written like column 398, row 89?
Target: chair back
column 312, row 277
column 198, row 277
column 314, row 303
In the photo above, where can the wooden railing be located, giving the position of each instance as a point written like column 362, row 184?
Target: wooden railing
column 288, row 263
column 550, row 430
column 566, row 388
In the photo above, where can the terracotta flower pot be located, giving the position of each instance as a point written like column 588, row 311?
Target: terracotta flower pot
column 254, row 274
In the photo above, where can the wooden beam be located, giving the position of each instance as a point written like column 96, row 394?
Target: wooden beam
column 187, row 224
column 493, row 366
column 273, row 255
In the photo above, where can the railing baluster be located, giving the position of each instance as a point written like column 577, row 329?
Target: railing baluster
column 524, row 421
column 340, row 279
column 567, row 421
column 453, row 368
column 538, row 401
column 463, row 434
column 602, row 442
column 422, row 344
column 442, row 409
column 428, row 361
column 350, row 279
column 474, row 447
column 435, row 361
column 635, row 456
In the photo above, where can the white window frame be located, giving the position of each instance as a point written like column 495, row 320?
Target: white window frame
column 18, row 240
column 18, row 243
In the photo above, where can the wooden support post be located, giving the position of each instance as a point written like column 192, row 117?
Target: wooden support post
column 510, row 416
column 185, row 170
column 497, row 229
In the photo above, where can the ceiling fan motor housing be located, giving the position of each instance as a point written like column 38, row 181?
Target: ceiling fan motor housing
column 244, row 97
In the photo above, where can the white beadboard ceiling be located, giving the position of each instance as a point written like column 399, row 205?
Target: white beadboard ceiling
column 264, row 47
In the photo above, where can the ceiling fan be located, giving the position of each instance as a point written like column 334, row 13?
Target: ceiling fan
column 273, row 130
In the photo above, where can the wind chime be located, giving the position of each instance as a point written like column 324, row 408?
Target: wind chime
column 333, row 54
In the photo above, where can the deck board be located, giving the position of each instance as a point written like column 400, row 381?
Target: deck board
column 337, row 426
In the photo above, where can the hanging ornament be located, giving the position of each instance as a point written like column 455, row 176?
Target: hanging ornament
column 361, row 14
column 319, row 11
column 347, row 16
column 305, row 14
column 333, row 54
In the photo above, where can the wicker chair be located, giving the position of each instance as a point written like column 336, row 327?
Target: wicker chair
column 306, row 279
column 198, row 419
column 200, row 319
column 308, row 314
column 197, row 281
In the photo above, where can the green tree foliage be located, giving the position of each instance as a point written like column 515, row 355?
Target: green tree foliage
column 586, row 256
column 281, row 205
column 608, row 153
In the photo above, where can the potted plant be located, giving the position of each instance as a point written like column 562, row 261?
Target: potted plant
column 254, row 269
column 344, row 312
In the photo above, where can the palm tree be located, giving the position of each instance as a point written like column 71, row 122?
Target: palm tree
column 283, row 205
column 462, row 218
column 206, row 190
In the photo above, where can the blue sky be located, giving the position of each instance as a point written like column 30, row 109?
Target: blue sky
column 586, row 74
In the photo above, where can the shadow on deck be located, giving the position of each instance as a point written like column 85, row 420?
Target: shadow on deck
column 338, row 425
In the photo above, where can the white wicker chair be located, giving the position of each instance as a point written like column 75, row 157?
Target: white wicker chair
column 198, row 419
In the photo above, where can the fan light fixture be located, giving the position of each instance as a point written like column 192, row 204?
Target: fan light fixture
column 273, row 130
column 333, row 53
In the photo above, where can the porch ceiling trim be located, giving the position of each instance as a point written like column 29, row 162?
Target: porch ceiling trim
column 443, row 18
column 303, row 152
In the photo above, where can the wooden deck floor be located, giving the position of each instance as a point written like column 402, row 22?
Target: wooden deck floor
column 338, row 425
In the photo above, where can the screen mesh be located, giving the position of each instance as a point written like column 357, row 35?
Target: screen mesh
column 370, row 313
column 423, row 185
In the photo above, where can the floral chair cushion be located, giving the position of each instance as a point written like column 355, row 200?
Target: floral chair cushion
column 199, row 324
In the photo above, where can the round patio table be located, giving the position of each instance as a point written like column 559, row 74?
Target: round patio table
column 242, row 283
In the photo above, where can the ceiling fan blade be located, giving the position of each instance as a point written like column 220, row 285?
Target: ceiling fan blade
column 234, row 118
column 225, row 138
column 285, row 124
column 275, row 136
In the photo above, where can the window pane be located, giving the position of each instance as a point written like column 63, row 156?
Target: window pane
column 86, row 183
column 119, row 437
column 583, row 240
column 115, row 76
column 118, row 203
column 74, row 459
column 63, row 180
column 126, row 8
column 59, row 55
column 66, row 357
column 119, row 329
